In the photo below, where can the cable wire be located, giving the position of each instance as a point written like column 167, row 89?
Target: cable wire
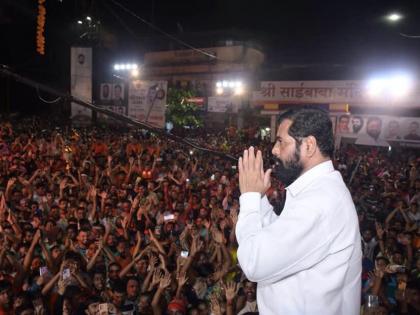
column 44, row 100
column 162, row 31
column 120, row 20
column 6, row 71
column 409, row 36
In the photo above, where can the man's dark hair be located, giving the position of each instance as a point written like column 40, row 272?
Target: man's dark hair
column 371, row 119
column 119, row 286
column 314, row 122
column 131, row 278
column 362, row 122
column 382, row 258
column 5, row 285
column 344, row 117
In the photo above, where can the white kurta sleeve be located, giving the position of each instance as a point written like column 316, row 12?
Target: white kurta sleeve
column 267, row 213
column 297, row 240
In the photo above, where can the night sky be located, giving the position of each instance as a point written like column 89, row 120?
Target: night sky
column 338, row 35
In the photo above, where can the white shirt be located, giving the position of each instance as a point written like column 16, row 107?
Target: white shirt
column 308, row 259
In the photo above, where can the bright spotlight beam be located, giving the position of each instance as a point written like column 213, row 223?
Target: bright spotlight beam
column 394, row 17
column 135, row 73
column 394, row 87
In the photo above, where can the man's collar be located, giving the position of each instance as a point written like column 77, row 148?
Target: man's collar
column 309, row 176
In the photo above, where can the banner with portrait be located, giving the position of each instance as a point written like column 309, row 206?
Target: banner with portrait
column 378, row 130
column 147, row 101
column 105, row 92
column 81, row 84
column 122, row 110
column 112, row 97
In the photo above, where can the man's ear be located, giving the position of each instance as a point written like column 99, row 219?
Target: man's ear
column 310, row 146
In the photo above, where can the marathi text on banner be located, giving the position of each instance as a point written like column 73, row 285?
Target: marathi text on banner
column 322, row 92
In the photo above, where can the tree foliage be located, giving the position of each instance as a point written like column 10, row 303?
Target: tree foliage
column 181, row 112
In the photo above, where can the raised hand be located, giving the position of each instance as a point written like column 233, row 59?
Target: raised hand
column 11, row 218
column 107, row 226
column 37, row 236
column 152, row 235
column 153, row 262
column 215, row 305
column 131, row 161
column 182, row 278
column 104, row 195
column 196, row 245
column 234, row 216
column 217, row 236
column 165, row 281
column 231, row 289
column 3, row 205
column 252, row 177
column 157, row 275
column 11, row 182
column 63, row 183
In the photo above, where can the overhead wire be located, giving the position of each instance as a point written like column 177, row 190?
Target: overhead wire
column 410, row 36
column 46, row 101
column 6, row 71
column 156, row 28
column 120, row 20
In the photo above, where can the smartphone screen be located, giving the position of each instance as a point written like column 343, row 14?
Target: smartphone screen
column 66, row 273
column 43, row 270
column 184, row 253
column 168, row 217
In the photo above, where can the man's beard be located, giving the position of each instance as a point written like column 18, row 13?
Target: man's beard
column 373, row 133
column 287, row 172
column 356, row 128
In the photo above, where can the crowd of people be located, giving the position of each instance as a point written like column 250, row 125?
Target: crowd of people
column 119, row 221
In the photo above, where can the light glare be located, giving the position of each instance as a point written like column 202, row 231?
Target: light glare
column 135, row 73
column 400, row 86
column 376, row 86
column 395, row 87
column 239, row 90
column 394, row 17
